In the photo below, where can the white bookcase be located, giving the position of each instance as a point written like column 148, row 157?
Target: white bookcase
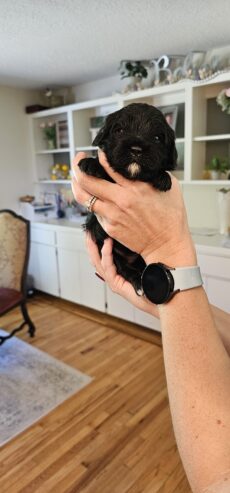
column 202, row 129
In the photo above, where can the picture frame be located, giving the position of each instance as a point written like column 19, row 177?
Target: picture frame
column 170, row 113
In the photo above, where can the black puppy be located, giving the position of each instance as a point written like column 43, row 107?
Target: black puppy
column 140, row 145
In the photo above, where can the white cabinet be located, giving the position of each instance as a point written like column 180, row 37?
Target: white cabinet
column 78, row 282
column 215, row 271
column 119, row 307
column 43, row 268
column 219, row 292
column 92, row 288
column 69, row 275
column 60, row 266
column 147, row 320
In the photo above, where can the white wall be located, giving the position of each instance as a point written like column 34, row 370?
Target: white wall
column 201, row 205
column 98, row 88
column 15, row 157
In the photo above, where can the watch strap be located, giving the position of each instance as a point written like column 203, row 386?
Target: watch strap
column 186, row 278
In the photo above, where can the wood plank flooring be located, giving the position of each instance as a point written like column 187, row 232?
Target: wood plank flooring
column 114, row 436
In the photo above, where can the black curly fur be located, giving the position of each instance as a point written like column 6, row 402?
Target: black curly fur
column 136, row 134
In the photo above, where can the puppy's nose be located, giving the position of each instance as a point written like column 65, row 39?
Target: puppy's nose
column 136, row 150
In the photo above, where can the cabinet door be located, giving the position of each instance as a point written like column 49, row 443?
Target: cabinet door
column 43, row 267
column 218, row 291
column 34, row 267
column 69, row 275
column 216, row 275
column 147, row 320
column 119, row 307
column 92, row 288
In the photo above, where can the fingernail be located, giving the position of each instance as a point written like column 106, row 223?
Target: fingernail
column 98, row 275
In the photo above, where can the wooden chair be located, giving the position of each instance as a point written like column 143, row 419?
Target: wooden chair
column 14, row 256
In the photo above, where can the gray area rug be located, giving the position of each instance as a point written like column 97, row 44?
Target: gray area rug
column 32, row 383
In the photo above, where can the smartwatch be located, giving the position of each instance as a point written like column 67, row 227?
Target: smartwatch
column 160, row 282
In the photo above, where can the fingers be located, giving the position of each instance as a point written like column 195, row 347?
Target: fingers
column 104, row 212
column 119, row 179
column 108, row 265
column 80, row 195
column 102, row 189
column 104, row 266
column 94, row 256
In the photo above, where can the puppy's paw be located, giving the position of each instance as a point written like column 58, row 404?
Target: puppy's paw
column 88, row 165
column 163, row 182
column 91, row 166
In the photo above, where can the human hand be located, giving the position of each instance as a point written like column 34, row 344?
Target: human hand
column 106, row 269
column 147, row 221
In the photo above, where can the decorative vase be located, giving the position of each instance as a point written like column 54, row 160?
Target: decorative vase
column 215, row 175
column 50, row 144
column 224, row 212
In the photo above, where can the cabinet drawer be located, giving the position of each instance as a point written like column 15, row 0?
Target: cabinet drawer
column 212, row 265
column 39, row 235
column 71, row 240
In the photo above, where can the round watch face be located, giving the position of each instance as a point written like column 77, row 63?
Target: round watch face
column 157, row 283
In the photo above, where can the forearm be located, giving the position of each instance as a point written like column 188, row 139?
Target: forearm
column 198, row 377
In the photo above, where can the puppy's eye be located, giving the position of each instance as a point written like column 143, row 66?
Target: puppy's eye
column 157, row 139
column 118, row 130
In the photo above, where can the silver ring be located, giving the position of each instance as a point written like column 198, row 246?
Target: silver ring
column 89, row 203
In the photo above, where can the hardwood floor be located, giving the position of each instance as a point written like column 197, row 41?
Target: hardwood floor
column 115, row 435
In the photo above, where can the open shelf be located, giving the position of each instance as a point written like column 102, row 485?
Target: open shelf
column 54, row 182
column 85, row 148
column 225, row 183
column 54, row 151
column 207, row 138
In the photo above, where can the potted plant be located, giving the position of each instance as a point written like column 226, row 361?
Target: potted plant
column 49, row 130
column 214, row 168
column 224, row 168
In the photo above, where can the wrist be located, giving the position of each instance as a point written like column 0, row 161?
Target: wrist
column 181, row 254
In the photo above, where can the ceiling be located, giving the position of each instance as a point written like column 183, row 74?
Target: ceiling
column 60, row 43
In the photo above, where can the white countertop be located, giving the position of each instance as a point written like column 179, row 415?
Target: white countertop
column 206, row 240
column 77, row 222
column 211, row 242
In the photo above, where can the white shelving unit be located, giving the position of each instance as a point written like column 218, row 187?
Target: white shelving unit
column 202, row 129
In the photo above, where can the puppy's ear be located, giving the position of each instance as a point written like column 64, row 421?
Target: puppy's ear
column 100, row 137
column 171, row 147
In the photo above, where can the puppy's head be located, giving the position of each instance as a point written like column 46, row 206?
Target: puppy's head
column 138, row 141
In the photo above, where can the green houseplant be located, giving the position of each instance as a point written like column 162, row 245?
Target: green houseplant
column 224, row 168
column 49, row 130
column 214, row 168
column 219, row 168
